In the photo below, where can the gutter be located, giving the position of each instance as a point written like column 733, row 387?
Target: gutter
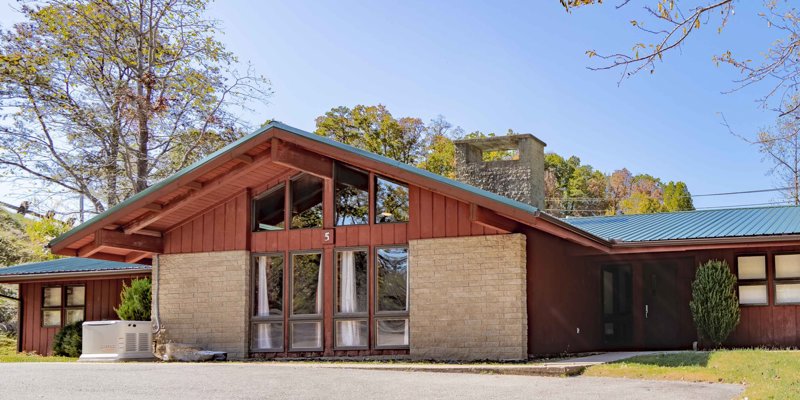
column 707, row 241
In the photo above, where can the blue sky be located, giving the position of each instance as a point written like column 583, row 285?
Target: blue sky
column 492, row 66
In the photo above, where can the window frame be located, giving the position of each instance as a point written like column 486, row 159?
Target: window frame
column 289, row 202
column 374, row 200
column 370, row 201
column 782, row 281
column 752, row 282
column 292, row 317
column 253, row 223
column 62, row 308
column 256, row 320
column 361, row 316
column 378, row 315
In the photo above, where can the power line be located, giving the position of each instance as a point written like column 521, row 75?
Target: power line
column 691, row 195
column 788, row 202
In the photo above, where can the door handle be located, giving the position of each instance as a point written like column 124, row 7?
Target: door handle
column 646, row 311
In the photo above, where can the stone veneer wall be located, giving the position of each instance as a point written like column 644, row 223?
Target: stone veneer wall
column 204, row 299
column 468, row 298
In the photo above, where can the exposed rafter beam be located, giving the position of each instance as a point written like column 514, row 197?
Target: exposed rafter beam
column 208, row 187
column 90, row 249
column 136, row 256
column 194, row 185
column 293, row 156
column 245, row 159
column 147, row 232
column 134, row 242
column 488, row 218
column 153, row 207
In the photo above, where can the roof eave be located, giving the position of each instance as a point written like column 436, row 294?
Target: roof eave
column 705, row 243
column 73, row 274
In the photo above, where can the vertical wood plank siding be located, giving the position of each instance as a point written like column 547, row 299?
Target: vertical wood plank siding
column 102, row 296
column 226, row 226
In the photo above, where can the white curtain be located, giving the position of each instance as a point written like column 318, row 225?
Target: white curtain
column 350, row 334
column 263, row 335
column 319, row 290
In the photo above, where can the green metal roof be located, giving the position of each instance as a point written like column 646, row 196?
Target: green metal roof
column 308, row 135
column 71, row 265
column 703, row 224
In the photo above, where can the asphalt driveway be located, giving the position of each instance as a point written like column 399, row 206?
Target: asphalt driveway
column 301, row 381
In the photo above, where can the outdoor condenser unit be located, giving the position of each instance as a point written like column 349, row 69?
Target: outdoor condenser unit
column 116, row 341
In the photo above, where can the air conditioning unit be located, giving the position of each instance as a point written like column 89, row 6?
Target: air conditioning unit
column 117, row 341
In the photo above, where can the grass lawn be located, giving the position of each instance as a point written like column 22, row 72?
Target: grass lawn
column 8, row 353
column 768, row 374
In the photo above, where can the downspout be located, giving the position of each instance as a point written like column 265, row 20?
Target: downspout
column 157, row 316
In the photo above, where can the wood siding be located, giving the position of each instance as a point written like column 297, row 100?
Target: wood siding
column 564, row 295
column 102, row 296
column 222, row 227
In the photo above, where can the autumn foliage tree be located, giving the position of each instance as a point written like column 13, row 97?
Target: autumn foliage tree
column 103, row 97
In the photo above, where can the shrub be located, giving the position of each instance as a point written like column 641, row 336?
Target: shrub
column 714, row 305
column 135, row 301
column 68, row 340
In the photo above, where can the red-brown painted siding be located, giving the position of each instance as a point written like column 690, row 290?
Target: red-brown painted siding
column 564, row 294
column 220, row 228
column 102, row 296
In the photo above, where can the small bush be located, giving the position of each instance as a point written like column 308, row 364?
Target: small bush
column 68, row 341
column 714, row 305
column 135, row 301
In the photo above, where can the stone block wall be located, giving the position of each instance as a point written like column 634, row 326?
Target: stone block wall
column 468, row 298
column 521, row 179
column 204, row 298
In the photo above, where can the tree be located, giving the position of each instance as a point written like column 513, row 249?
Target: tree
column 135, row 301
column 677, row 197
column 714, row 305
column 440, row 151
column 103, row 97
column 373, row 128
column 668, row 24
column 780, row 146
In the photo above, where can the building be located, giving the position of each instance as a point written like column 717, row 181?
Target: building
column 288, row 244
column 59, row 292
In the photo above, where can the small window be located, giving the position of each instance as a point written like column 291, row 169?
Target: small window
column 752, row 275
column 306, row 284
column 351, row 196
column 787, row 279
column 267, row 332
column 52, row 297
column 269, row 210
column 752, row 267
column 391, row 201
column 306, row 194
column 74, row 315
column 51, row 307
column 391, row 332
column 76, row 296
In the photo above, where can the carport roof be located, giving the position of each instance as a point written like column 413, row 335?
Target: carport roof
column 70, row 265
column 701, row 224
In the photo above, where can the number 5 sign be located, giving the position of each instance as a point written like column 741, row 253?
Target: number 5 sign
column 327, row 236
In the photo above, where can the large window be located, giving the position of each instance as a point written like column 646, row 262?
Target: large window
column 306, row 202
column 787, row 279
column 351, row 196
column 391, row 314
column 306, row 319
column 352, row 306
column 269, row 210
column 391, row 201
column 63, row 305
column 752, row 274
column 268, row 305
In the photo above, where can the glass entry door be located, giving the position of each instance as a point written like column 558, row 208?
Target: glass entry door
column 616, row 283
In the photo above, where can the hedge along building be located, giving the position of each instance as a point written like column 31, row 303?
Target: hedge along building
column 55, row 293
column 285, row 243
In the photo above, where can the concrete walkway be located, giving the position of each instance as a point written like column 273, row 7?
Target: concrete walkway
column 565, row 367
